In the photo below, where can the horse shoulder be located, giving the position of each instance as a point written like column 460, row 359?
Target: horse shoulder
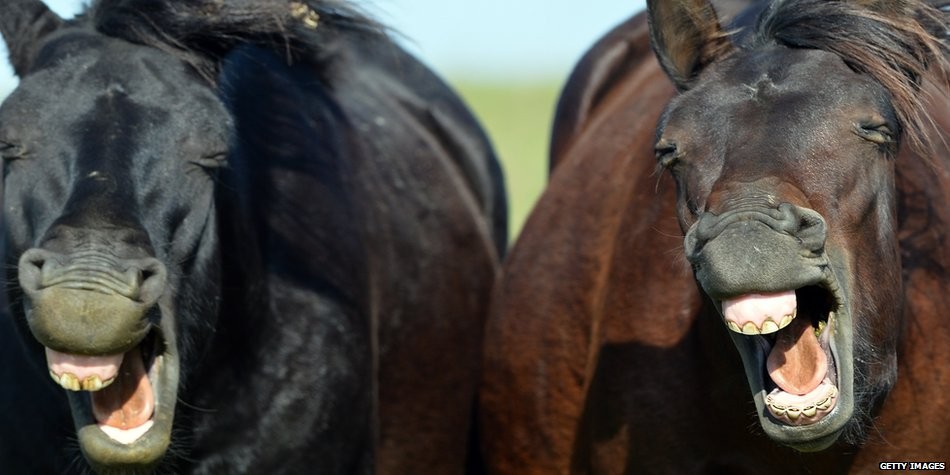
column 556, row 277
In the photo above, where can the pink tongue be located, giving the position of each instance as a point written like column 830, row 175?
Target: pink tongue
column 797, row 364
column 756, row 308
column 129, row 401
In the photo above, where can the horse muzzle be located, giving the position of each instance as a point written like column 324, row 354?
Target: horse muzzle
column 108, row 344
column 89, row 303
column 769, row 275
column 760, row 249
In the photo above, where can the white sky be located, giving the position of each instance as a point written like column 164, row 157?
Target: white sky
column 497, row 40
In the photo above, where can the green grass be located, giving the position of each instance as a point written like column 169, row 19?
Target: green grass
column 518, row 119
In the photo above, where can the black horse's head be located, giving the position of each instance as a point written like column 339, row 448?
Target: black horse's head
column 111, row 146
column 783, row 144
column 110, row 150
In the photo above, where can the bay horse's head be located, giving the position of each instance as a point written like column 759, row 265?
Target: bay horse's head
column 111, row 144
column 782, row 144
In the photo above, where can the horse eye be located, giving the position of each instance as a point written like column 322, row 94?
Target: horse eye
column 877, row 132
column 666, row 152
column 217, row 160
column 10, row 151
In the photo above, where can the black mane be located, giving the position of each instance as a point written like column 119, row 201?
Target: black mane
column 202, row 32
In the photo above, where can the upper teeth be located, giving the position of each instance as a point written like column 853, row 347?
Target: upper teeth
column 71, row 382
column 769, row 325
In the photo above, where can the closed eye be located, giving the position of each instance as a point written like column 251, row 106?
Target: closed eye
column 10, row 151
column 213, row 161
column 874, row 131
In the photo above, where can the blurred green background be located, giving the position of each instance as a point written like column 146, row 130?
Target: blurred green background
column 517, row 116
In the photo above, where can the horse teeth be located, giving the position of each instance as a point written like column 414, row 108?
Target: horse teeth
column 71, row 382
column 750, row 329
column 94, row 383
column 68, row 381
column 769, row 327
column 801, row 415
column 734, row 327
column 786, row 320
column 775, row 408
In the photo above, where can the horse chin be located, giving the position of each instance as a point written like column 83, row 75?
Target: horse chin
column 815, row 433
column 140, row 449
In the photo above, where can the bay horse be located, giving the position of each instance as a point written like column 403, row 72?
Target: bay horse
column 741, row 261
column 251, row 236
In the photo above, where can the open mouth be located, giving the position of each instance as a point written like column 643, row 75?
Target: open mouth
column 122, row 404
column 796, row 346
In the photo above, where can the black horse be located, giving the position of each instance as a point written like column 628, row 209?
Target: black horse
column 245, row 237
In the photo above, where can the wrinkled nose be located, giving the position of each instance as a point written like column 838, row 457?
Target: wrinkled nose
column 89, row 302
column 803, row 224
column 141, row 280
column 756, row 249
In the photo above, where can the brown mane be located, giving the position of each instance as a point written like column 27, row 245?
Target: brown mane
column 891, row 42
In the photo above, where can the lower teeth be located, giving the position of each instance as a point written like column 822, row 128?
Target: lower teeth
column 794, row 412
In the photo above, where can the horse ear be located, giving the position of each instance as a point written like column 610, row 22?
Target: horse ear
column 23, row 24
column 686, row 37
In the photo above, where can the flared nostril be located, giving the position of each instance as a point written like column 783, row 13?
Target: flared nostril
column 692, row 243
column 811, row 224
column 33, row 258
column 152, row 275
column 30, row 268
column 809, row 227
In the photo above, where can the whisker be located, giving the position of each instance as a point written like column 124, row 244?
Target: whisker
column 196, row 408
